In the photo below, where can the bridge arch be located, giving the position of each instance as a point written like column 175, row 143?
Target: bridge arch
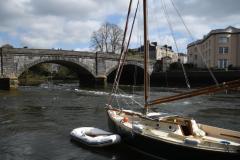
column 80, row 68
column 113, row 68
column 132, row 73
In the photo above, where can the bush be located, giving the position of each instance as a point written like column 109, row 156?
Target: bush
column 175, row 66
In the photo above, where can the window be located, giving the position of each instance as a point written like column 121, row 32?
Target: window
column 223, row 40
column 223, row 50
column 195, row 57
column 222, row 63
column 195, row 49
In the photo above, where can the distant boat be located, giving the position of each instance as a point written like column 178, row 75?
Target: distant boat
column 165, row 135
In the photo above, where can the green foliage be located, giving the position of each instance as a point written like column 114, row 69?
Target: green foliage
column 157, row 66
column 175, row 66
column 65, row 73
column 189, row 66
column 43, row 72
column 41, row 69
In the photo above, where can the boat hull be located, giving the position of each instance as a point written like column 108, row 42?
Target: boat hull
column 164, row 150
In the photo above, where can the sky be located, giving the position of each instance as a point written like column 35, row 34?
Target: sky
column 68, row 24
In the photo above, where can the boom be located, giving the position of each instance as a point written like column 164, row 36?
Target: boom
column 202, row 91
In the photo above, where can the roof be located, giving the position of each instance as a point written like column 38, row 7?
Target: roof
column 228, row 30
column 182, row 54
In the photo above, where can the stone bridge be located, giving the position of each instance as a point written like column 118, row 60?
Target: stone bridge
column 88, row 65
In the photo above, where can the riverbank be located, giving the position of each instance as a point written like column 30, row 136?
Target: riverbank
column 160, row 79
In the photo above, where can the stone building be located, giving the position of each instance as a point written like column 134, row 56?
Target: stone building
column 157, row 52
column 220, row 49
column 182, row 58
column 166, row 51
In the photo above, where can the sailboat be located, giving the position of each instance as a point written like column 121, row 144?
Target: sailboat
column 164, row 135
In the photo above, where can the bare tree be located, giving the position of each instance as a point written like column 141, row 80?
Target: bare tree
column 116, row 37
column 107, row 38
column 97, row 41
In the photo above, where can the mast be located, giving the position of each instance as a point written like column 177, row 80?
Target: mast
column 146, row 54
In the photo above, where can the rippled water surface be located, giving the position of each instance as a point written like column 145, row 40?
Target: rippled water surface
column 35, row 122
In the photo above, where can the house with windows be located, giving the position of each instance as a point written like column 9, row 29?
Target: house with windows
column 166, row 51
column 182, row 58
column 219, row 49
column 157, row 52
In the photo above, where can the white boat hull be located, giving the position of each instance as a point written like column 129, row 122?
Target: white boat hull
column 170, row 145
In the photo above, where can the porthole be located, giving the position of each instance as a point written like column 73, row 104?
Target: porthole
column 172, row 128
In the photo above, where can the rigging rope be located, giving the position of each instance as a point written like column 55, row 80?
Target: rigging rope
column 134, row 79
column 198, row 50
column 124, row 51
column 121, row 59
column 175, row 41
column 131, row 98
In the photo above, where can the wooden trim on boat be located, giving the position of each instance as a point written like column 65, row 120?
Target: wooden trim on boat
column 146, row 118
column 123, row 111
column 227, row 135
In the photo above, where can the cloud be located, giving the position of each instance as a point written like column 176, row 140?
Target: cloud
column 50, row 31
column 200, row 17
column 70, row 23
column 211, row 9
column 82, row 49
column 1, row 42
column 47, row 23
column 78, row 9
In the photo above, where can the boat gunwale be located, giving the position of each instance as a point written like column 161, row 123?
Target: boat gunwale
column 165, row 121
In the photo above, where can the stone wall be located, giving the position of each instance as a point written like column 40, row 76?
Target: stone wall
column 196, row 79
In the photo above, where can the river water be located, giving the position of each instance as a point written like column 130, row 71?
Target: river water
column 35, row 122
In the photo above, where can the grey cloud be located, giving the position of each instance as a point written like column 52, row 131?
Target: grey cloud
column 209, row 8
column 63, row 8
column 49, row 20
column 13, row 14
column 76, row 9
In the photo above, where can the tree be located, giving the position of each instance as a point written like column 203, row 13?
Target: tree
column 175, row 66
column 108, row 38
